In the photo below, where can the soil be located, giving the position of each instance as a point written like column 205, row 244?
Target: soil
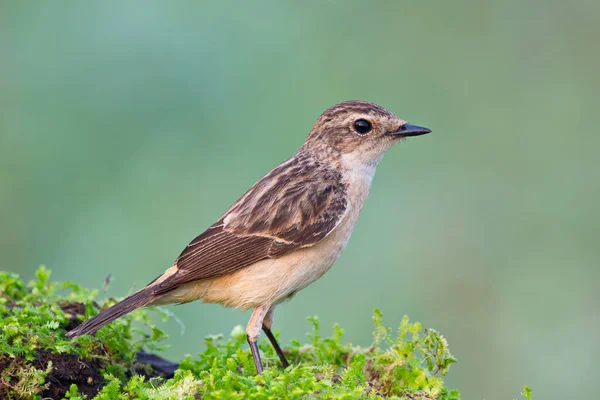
column 86, row 374
column 68, row 369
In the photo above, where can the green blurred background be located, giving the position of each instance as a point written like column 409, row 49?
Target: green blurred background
column 127, row 128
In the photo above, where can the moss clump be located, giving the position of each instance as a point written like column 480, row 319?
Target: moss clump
column 37, row 361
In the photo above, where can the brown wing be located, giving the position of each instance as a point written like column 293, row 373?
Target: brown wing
column 295, row 205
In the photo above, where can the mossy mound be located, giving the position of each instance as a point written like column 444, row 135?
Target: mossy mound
column 37, row 361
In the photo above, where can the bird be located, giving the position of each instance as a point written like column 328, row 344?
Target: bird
column 285, row 232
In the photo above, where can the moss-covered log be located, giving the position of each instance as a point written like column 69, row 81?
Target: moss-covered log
column 119, row 362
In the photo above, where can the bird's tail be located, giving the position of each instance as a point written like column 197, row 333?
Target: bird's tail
column 139, row 299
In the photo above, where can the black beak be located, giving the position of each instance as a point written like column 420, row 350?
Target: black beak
column 410, row 130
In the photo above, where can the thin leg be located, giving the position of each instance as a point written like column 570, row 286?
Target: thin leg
column 255, row 355
column 278, row 350
column 253, row 332
column 267, row 323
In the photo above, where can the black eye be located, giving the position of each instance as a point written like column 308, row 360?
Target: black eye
column 362, row 126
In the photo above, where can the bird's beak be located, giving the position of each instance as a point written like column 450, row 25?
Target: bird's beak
column 410, row 130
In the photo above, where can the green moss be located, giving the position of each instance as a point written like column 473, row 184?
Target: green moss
column 408, row 364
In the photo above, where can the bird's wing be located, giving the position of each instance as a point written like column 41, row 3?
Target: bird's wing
column 295, row 205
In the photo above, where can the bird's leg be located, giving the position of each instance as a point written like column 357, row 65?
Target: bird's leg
column 253, row 332
column 267, row 323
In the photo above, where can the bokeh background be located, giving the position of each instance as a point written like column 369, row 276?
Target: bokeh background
column 127, row 128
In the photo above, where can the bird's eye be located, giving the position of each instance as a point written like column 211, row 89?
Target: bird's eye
column 362, row 126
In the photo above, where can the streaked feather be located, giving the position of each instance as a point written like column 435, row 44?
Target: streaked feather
column 295, row 205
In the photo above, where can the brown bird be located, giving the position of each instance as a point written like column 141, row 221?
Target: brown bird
column 286, row 231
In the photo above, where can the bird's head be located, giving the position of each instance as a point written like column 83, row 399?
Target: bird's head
column 359, row 131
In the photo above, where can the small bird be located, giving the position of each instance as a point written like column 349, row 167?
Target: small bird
column 286, row 231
